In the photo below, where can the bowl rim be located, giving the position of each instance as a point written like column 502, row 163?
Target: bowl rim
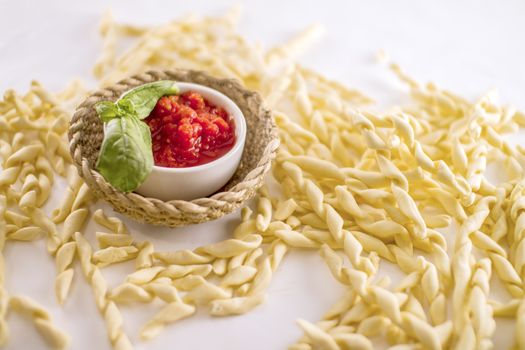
column 240, row 130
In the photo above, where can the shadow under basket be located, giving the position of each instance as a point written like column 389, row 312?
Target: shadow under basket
column 86, row 135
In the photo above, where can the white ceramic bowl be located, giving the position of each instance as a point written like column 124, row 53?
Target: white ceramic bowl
column 201, row 180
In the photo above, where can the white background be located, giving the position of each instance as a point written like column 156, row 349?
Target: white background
column 467, row 46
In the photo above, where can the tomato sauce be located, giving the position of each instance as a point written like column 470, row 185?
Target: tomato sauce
column 187, row 130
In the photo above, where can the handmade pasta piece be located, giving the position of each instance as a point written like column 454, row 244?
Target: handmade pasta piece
column 238, row 275
column 235, row 306
column 112, row 223
column 319, row 339
column 129, row 292
column 183, row 257
column 163, row 291
column 28, row 233
column 42, row 320
column 220, row 266
column 108, row 309
column 179, row 271
column 73, row 223
column 264, row 218
column 145, row 255
column 231, row 247
column 144, row 275
column 112, row 255
column 63, row 284
column 169, row 314
column 113, row 239
column 204, row 292
column 84, row 196
column 74, row 184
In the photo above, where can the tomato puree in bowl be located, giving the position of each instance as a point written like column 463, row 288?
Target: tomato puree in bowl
column 187, row 130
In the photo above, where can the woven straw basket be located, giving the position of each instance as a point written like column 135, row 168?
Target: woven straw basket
column 86, row 134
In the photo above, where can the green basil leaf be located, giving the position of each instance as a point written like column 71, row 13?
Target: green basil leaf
column 126, row 108
column 145, row 97
column 126, row 157
column 106, row 110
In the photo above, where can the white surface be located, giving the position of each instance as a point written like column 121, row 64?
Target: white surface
column 205, row 179
column 467, row 46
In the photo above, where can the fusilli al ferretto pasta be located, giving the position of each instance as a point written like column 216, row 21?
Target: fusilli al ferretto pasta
column 360, row 188
column 54, row 336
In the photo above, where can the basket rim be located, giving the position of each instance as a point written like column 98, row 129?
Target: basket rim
column 219, row 199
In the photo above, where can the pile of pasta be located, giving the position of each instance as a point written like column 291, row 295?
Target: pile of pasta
column 360, row 188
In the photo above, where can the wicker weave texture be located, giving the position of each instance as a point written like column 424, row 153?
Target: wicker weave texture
column 86, row 135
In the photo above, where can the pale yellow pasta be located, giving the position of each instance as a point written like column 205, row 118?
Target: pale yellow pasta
column 61, row 213
column 108, row 309
column 422, row 331
column 83, row 197
column 55, row 337
column 220, row 266
column 238, row 275
column 15, row 218
column 183, row 257
column 41, row 220
column 169, row 314
column 179, row 271
column 245, row 228
column 264, row 218
column 358, row 185
column 63, row 284
column 204, row 292
column 84, row 253
column 246, row 213
column 356, row 313
column 112, row 255
column 144, row 275
column 235, row 306
column 231, row 247
column 30, row 182
column 113, row 239
column 129, row 292
column 372, row 326
column 108, row 31
column 65, row 256
column 113, row 321
column 163, row 291
column 266, row 267
column 28, row 200
column 348, row 341
column 4, row 297
column 74, row 184
column 24, row 155
column 296, row 239
column 520, row 323
column 73, row 223
column 237, row 261
column 9, row 175
column 44, row 189
column 145, row 255
column 293, row 221
column 318, row 338
column 100, row 288
column 28, row 233
column 112, row 223
column 188, row 282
